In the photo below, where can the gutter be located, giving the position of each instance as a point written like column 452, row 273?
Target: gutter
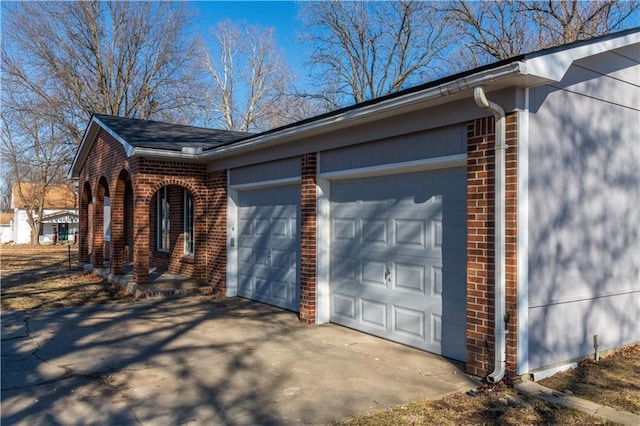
column 368, row 113
column 499, row 237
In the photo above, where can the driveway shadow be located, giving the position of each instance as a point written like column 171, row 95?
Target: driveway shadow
column 228, row 361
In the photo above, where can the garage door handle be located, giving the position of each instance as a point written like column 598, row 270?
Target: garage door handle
column 387, row 275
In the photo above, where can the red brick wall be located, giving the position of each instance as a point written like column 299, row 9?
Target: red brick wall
column 480, row 245
column 107, row 159
column 308, row 239
column 214, row 233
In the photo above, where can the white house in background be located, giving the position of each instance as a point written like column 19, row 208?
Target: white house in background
column 6, row 233
column 59, row 218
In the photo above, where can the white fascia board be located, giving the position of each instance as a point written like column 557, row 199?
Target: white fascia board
column 129, row 149
column 375, row 112
column 87, row 141
column 163, row 154
column 553, row 66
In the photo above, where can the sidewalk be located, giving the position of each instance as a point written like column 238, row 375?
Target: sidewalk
column 556, row 397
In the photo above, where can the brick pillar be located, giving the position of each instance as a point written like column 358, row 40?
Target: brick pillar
column 83, row 231
column 98, row 228
column 481, row 249
column 200, row 235
column 140, row 238
column 215, row 232
column 308, row 239
column 117, row 228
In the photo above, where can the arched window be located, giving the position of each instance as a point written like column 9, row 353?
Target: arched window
column 188, row 223
column 163, row 219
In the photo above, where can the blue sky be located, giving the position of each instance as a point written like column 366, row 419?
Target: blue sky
column 281, row 15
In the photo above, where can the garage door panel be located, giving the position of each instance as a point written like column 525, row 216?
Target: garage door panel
column 398, row 257
column 343, row 306
column 268, row 245
column 409, row 278
column 374, row 231
column 373, row 272
column 409, row 323
column 373, row 313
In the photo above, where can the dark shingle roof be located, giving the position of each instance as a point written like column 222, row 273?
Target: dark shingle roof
column 167, row 136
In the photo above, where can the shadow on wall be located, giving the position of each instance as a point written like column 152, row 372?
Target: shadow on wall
column 584, row 237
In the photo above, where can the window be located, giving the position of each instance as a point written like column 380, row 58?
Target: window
column 163, row 219
column 188, row 223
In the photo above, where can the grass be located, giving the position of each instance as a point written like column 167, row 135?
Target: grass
column 40, row 277
column 613, row 381
column 498, row 405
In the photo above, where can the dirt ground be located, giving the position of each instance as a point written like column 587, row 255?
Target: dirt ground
column 47, row 277
column 43, row 277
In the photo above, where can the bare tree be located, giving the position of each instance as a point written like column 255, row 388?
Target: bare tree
column 363, row 50
column 33, row 170
column 62, row 61
column 491, row 30
column 133, row 59
column 571, row 20
column 252, row 83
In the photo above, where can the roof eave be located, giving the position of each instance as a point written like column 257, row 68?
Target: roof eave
column 495, row 78
column 89, row 136
column 553, row 65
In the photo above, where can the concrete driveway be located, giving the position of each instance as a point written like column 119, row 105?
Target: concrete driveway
column 188, row 361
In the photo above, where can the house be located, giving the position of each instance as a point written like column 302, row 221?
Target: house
column 6, row 231
column 59, row 217
column 491, row 216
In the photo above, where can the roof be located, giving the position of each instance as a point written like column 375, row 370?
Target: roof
column 528, row 70
column 57, row 196
column 63, row 216
column 167, row 136
column 6, row 218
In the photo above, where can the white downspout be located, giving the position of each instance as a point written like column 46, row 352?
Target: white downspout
column 499, row 242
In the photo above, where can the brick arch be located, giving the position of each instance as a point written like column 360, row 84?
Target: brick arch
column 84, row 235
column 121, row 221
column 145, row 217
column 194, row 191
column 102, row 190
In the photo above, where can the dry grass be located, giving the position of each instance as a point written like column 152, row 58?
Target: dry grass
column 40, row 277
column 613, row 381
column 493, row 406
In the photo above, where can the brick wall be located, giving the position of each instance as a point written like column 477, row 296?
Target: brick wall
column 308, row 239
column 131, row 185
column 214, row 233
column 480, row 245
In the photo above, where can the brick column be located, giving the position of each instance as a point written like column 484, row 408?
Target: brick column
column 83, row 231
column 98, row 228
column 216, row 231
column 308, row 239
column 140, row 237
column 117, row 228
column 481, row 249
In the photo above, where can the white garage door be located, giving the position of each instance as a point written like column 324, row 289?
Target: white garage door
column 268, row 245
column 398, row 258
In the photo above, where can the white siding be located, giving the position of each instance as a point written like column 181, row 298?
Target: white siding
column 584, row 193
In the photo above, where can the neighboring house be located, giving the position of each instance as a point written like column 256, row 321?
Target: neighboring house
column 59, row 218
column 6, row 230
column 491, row 216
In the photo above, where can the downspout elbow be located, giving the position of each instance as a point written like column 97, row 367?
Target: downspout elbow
column 500, row 225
